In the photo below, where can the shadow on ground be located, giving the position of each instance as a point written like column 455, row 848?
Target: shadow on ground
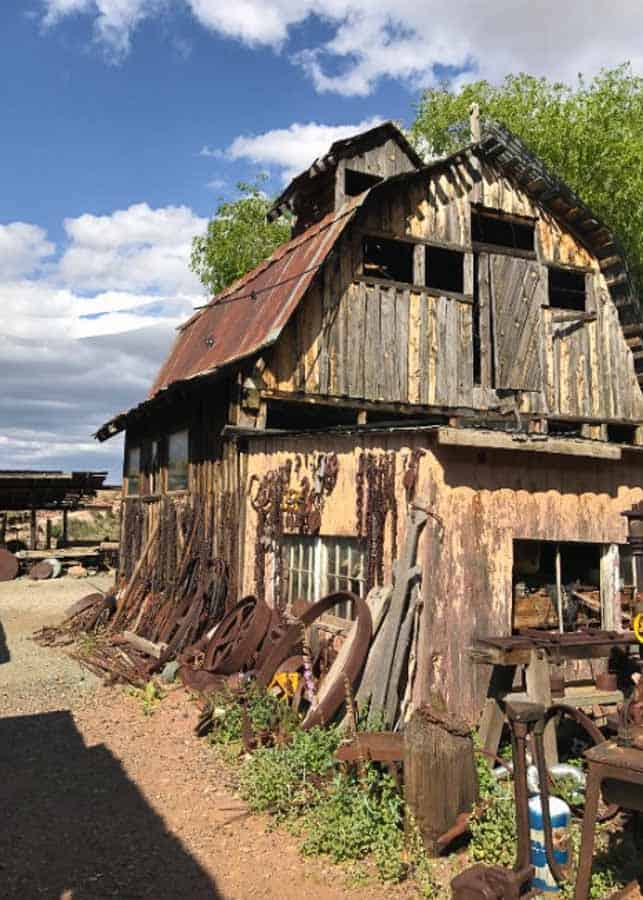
column 74, row 825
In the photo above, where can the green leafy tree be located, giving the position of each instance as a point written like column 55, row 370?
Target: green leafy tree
column 237, row 239
column 590, row 135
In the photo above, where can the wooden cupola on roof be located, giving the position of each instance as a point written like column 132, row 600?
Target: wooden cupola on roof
column 350, row 167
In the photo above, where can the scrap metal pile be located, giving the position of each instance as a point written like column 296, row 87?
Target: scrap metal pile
column 174, row 606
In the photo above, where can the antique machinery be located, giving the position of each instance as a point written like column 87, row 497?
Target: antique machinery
column 495, row 882
column 615, row 770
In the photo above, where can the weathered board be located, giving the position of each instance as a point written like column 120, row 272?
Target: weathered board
column 367, row 339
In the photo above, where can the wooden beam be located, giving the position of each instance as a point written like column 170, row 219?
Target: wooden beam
column 494, row 440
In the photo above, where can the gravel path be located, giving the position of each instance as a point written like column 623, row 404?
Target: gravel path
column 29, row 680
column 100, row 801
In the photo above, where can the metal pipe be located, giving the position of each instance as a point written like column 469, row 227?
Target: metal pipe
column 539, row 750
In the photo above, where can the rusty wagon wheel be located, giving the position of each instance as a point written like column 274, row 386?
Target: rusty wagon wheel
column 9, row 566
column 597, row 737
column 238, row 636
column 334, row 693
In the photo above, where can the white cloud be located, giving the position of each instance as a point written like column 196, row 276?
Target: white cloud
column 136, row 248
column 402, row 39
column 294, row 148
column 22, row 249
column 84, row 334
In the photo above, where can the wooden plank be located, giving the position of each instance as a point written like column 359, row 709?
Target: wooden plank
column 465, row 356
column 426, row 372
column 372, row 360
column 450, row 351
column 442, row 352
column 484, row 302
column 517, row 291
column 356, row 326
column 401, row 349
column 414, row 369
column 469, row 437
column 387, row 336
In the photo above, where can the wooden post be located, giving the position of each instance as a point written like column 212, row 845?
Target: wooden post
column 48, row 526
column 65, row 534
column 559, row 591
column 33, row 537
column 440, row 779
column 538, row 681
column 3, row 528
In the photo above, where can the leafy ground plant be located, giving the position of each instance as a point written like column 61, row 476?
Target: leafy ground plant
column 150, row 697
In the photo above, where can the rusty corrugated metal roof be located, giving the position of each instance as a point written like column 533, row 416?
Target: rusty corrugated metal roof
column 250, row 314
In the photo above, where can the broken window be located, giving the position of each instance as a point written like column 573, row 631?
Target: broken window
column 178, row 460
column 564, row 428
column 153, row 467
column 292, row 416
column 566, row 289
column 621, row 434
column 444, row 269
column 132, row 471
column 548, row 576
column 317, row 566
column 500, row 230
column 389, row 259
column 357, row 182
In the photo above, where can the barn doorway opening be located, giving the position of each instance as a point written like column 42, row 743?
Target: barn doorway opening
column 556, row 586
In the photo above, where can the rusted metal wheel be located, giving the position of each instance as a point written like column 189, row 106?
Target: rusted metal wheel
column 41, row 571
column 593, row 732
column 334, row 693
column 84, row 603
column 9, row 566
column 238, row 637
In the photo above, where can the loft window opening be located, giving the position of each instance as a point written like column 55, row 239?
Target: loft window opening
column 621, row 434
column 289, row 416
column 357, row 182
column 567, row 289
column 502, row 231
column 388, row 259
column 178, row 458
column 132, row 471
column 564, row 428
column 444, row 269
column 543, row 568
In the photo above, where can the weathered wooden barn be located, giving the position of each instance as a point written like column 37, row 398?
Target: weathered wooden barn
column 464, row 332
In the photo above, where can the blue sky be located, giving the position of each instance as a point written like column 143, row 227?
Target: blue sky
column 124, row 122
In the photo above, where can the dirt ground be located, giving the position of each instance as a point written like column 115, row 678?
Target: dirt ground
column 101, row 801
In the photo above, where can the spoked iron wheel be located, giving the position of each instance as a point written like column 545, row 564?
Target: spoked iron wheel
column 238, row 637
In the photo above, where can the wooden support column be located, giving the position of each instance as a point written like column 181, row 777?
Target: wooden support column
column 537, row 677
column 611, row 618
column 65, row 534
column 33, row 536
column 440, row 779
column 3, row 528
column 48, row 526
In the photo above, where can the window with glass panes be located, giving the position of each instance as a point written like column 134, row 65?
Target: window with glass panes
column 177, row 461
column 132, row 470
column 316, row 566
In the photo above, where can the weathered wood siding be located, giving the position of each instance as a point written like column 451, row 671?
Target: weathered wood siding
column 215, row 471
column 484, row 500
column 355, row 337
